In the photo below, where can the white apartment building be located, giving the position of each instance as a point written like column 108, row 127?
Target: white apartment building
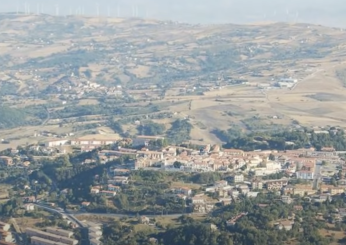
column 304, row 174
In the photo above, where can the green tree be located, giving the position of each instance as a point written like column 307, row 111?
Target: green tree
column 177, row 164
column 88, row 73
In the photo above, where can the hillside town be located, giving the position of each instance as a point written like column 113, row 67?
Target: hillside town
column 318, row 175
column 246, row 172
column 135, row 131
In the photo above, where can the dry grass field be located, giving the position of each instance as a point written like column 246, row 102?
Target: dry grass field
column 337, row 235
column 317, row 100
column 146, row 52
column 328, row 107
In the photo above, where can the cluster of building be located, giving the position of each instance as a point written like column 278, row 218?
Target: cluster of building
column 94, row 232
column 6, row 161
column 52, row 236
column 117, row 178
column 300, row 163
column 6, row 237
column 71, row 88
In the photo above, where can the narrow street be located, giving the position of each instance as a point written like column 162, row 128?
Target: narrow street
column 317, row 176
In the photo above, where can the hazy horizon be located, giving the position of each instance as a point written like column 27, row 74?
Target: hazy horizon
column 329, row 13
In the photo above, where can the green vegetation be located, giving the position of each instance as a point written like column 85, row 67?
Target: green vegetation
column 101, row 109
column 145, row 194
column 11, row 117
column 341, row 75
column 220, row 59
column 8, row 88
column 69, row 61
column 119, row 234
column 149, row 192
column 14, row 117
column 117, row 127
column 206, row 178
column 284, row 140
column 11, row 207
column 179, row 132
column 256, row 227
column 151, row 128
column 195, row 233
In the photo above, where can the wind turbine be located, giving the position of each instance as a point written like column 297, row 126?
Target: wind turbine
column 288, row 14
column 297, row 15
column 28, row 8
column 97, row 9
column 77, row 11
column 57, row 10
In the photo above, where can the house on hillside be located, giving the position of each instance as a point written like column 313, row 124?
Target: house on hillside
column 285, row 224
column 144, row 220
column 143, row 140
column 6, row 161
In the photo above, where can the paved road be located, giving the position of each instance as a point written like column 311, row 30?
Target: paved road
column 71, row 215
column 85, row 236
column 48, row 117
column 61, row 212
column 72, row 218
column 128, row 215
column 317, row 176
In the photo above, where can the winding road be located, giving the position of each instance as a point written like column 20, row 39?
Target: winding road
column 72, row 217
column 317, row 176
column 48, row 117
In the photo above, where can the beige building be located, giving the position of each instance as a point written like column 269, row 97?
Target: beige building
column 41, row 241
column 276, row 184
column 6, row 236
column 336, row 190
column 234, row 152
column 6, row 161
column 153, row 155
column 89, row 143
column 41, row 238
column 257, row 185
column 4, row 226
column 238, row 178
column 303, row 190
column 56, row 142
column 143, row 140
column 59, row 232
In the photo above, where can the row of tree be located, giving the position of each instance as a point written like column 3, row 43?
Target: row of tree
column 284, row 140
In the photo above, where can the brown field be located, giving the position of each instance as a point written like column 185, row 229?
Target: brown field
column 141, row 71
column 188, row 185
column 337, row 235
column 25, row 135
column 317, row 100
column 88, row 102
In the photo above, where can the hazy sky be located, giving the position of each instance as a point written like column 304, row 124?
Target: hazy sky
column 325, row 12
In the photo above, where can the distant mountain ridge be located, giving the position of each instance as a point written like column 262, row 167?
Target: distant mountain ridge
column 329, row 13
